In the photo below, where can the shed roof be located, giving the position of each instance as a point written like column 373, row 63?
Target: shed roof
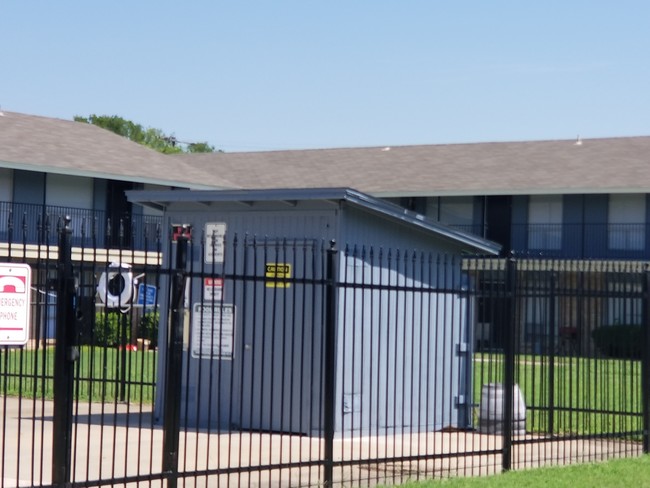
column 161, row 199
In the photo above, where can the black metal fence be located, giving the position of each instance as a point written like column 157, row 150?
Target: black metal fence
column 297, row 363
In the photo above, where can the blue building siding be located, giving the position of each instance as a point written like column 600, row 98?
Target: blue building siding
column 33, row 213
column 594, row 230
column 29, row 187
column 585, row 231
column 519, row 224
column 572, row 217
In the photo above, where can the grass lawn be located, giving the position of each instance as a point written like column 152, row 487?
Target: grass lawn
column 624, row 473
column 589, row 395
column 104, row 374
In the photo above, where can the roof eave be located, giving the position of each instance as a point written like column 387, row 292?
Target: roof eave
column 418, row 220
column 103, row 175
column 160, row 200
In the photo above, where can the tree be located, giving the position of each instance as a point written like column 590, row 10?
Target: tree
column 150, row 137
column 200, row 147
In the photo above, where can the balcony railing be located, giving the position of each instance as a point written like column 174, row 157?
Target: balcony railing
column 584, row 241
column 576, row 241
column 38, row 224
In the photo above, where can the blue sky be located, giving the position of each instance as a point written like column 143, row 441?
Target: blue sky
column 262, row 75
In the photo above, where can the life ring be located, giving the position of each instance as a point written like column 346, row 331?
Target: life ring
column 115, row 286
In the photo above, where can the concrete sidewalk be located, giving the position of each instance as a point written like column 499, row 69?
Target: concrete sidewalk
column 115, row 441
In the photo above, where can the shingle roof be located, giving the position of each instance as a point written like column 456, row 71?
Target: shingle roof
column 565, row 166
column 610, row 165
column 63, row 146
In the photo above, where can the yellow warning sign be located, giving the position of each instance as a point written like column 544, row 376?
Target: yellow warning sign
column 276, row 273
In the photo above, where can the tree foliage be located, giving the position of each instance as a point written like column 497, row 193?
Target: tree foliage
column 150, row 137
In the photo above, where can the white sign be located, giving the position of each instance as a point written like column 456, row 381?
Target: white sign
column 215, row 234
column 15, row 303
column 213, row 331
column 212, row 289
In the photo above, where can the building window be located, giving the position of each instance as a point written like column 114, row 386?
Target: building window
column 626, row 222
column 545, row 222
column 624, row 303
column 456, row 212
column 538, row 319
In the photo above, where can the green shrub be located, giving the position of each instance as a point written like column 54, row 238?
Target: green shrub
column 619, row 341
column 149, row 328
column 108, row 328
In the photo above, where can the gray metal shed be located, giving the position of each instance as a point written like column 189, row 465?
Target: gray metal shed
column 230, row 381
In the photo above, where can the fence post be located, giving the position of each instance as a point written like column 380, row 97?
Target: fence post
column 65, row 355
column 174, row 367
column 509, row 360
column 645, row 364
column 329, row 366
column 551, row 356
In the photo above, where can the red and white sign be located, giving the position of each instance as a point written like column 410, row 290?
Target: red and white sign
column 15, row 303
column 212, row 289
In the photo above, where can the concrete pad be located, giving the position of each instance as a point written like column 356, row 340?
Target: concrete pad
column 118, row 440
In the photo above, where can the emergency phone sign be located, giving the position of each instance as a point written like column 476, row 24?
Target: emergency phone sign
column 15, row 303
